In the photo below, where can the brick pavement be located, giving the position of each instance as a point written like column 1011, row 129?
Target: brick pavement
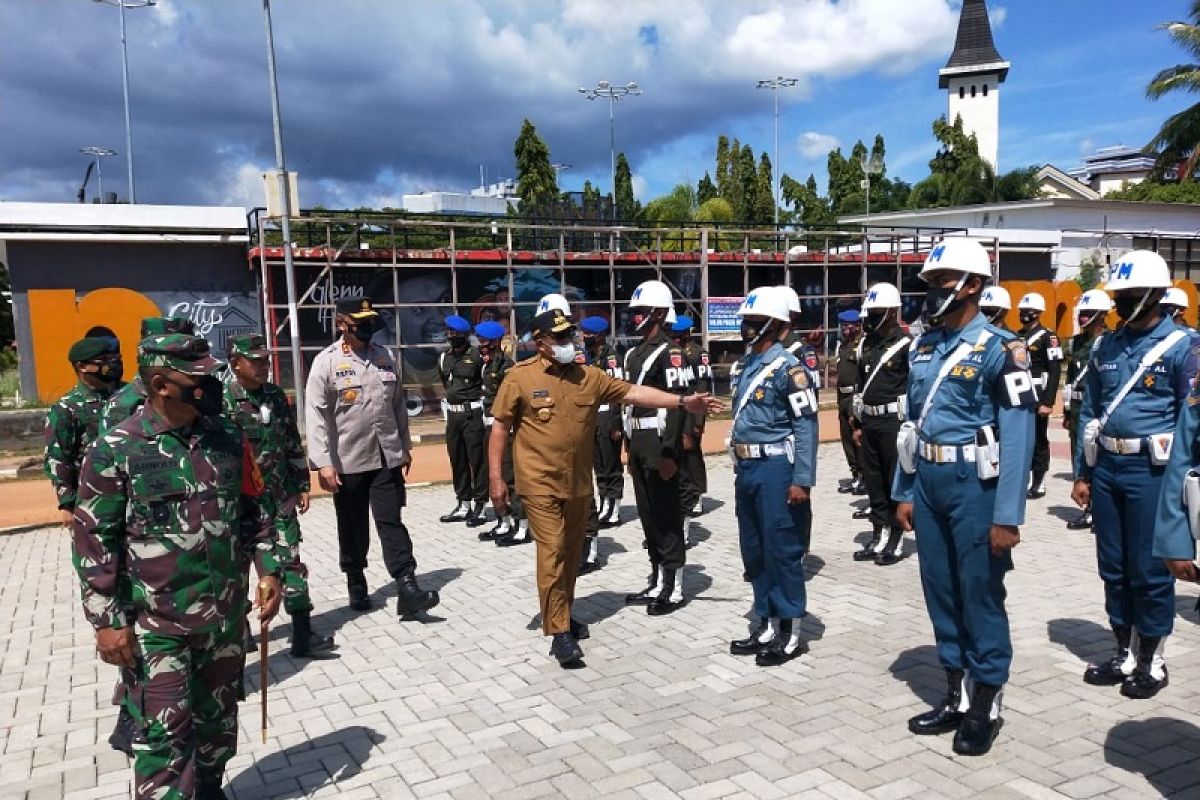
column 471, row 706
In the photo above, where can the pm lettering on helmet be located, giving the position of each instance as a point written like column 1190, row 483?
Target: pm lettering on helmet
column 1123, row 270
column 637, row 293
column 872, row 295
column 750, row 300
column 936, row 253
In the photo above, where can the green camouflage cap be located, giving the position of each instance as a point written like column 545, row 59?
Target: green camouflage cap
column 248, row 346
column 160, row 326
column 178, row 351
column 92, row 347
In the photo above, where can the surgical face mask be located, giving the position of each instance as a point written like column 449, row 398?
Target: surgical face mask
column 1085, row 320
column 563, row 353
column 1029, row 316
column 940, row 301
column 205, row 396
column 1133, row 308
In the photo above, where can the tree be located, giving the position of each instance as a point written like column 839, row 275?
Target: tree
column 706, row 190
column 1177, row 143
column 1018, row 184
column 1155, row 192
column 764, row 193
column 724, row 168
column 812, row 208
column 715, row 209
column 747, row 179
column 1090, row 274
column 959, row 176
column 628, row 208
column 676, row 206
column 537, row 183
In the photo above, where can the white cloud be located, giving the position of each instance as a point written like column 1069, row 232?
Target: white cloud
column 639, row 185
column 997, row 15
column 814, row 146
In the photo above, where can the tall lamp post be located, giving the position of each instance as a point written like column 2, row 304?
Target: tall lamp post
column 872, row 165
column 122, row 5
column 775, row 84
column 285, row 197
column 613, row 94
column 98, row 153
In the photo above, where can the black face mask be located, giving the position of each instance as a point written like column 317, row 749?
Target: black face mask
column 592, row 343
column 1132, row 309
column 110, row 372
column 365, row 328
column 205, row 396
column 875, row 321
column 941, row 301
column 752, row 332
column 995, row 317
column 1029, row 317
column 457, row 341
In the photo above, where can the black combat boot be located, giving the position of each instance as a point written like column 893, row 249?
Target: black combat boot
column 477, row 515
column 457, row 514
column 209, row 788
column 947, row 716
column 565, row 649
column 589, row 559
column 867, row 553
column 644, row 596
column 888, row 556
column 1150, row 674
column 1116, row 669
column 670, row 594
column 356, row 588
column 753, row 644
column 124, row 732
column 981, row 723
column 1083, row 522
column 305, row 643
column 411, row 598
column 579, row 630
column 784, row 647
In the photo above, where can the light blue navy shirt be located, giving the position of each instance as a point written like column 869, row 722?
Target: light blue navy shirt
column 990, row 386
column 784, row 404
column 1153, row 405
column 1172, row 536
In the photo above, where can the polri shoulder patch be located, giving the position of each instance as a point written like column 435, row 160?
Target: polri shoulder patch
column 799, row 377
column 1019, row 352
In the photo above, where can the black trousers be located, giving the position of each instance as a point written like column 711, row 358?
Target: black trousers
column 607, row 459
column 693, row 478
column 1041, row 445
column 468, row 455
column 516, row 506
column 382, row 492
column 879, row 467
column 658, row 508
column 847, row 436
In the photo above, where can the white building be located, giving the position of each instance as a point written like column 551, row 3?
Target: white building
column 972, row 79
column 491, row 201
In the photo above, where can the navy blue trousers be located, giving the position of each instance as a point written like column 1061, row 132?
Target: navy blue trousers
column 774, row 536
column 963, row 582
column 1138, row 589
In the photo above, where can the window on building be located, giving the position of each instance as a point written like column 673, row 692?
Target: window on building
column 985, row 90
column 1183, row 255
column 962, row 92
column 972, row 91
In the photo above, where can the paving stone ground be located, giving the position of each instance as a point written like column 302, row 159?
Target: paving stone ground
column 471, row 706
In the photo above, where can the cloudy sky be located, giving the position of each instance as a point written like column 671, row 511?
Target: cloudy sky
column 384, row 97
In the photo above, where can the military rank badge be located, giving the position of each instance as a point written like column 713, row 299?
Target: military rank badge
column 1148, row 381
column 1019, row 353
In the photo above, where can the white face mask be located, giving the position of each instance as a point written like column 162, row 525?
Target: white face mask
column 563, row 353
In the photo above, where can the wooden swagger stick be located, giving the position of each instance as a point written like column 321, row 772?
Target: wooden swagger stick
column 264, row 594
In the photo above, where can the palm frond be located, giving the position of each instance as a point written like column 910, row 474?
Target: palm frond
column 1181, row 77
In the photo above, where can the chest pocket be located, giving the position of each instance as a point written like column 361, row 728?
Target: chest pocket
column 250, row 423
column 464, row 370
column 349, row 391
column 583, row 407
column 158, row 497
column 543, row 409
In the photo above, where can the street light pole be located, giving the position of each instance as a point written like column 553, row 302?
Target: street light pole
column 98, row 153
column 775, row 84
column 122, row 5
column 289, row 267
column 613, row 94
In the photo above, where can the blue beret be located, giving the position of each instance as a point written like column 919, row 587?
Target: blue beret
column 682, row 324
column 594, row 325
column 489, row 330
column 849, row 315
column 457, row 323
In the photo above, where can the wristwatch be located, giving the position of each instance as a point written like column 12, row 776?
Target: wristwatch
column 680, row 401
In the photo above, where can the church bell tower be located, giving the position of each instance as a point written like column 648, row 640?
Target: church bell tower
column 972, row 78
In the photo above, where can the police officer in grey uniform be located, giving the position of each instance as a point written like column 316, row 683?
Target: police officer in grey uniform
column 356, row 422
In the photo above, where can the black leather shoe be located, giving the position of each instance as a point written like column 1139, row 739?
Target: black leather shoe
column 751, row 645
column 783, row 647
column 1113, row 671
column 411, row 598
column 858, row 488
column 1037, row 487
column 305, row 643
column 123, row 733
column 356, row 588
column 867, row 553
column 458, row 514
column 670, row 596
column 981, row 723
column 518, row 535
column 1083, row 522
column 645, row 595
column 888, row 556
column 579, row 630
column 477, row 515
column 502, row 527
column 565, row 649
column 862, row 513
column 1142, row 685
column 845, row 486
column 946, row 716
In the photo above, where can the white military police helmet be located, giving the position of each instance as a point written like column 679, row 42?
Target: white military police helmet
column 1175, row 297
column 1094, row 300
column 1139, row 269
column 881, row 295
column 1032, row 302
column 793, row 299
column 995, row 297
column 958, row 254
column 554, row 302
column 651, row 294
column 766, row 301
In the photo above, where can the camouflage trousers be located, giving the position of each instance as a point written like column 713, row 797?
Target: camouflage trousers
column 186, row 703
column 295, row 574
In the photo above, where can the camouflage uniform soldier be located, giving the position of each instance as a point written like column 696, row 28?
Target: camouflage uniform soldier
column 261, row 410
column 167, row 521
column 130, row 397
